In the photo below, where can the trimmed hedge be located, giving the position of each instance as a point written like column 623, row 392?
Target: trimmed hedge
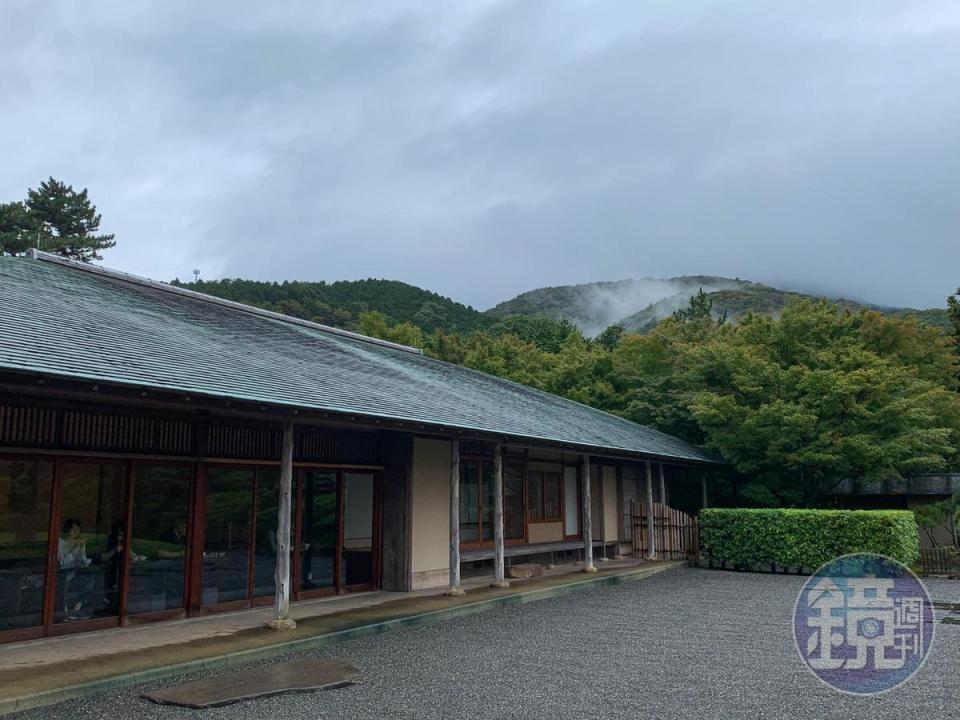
column 805, row 538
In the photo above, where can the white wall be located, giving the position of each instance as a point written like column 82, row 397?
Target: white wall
column 430, row 513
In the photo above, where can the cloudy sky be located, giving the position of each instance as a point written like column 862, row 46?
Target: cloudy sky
column 484, row 148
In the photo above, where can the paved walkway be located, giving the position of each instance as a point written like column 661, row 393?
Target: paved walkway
column 50, row 663
column 682, row 644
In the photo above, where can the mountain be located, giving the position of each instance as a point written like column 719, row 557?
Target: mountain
column 638, row 305
column 340, row 303
column 595, row 306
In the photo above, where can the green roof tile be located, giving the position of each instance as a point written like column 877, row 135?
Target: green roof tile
column 61, row 319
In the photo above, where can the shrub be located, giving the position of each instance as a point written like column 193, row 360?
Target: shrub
column 806, row 538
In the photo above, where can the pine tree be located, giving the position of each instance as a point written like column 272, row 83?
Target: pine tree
column 699, row 309
column 68, row 220
column 19, row 230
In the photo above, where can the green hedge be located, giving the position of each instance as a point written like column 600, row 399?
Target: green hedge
column 797, row 539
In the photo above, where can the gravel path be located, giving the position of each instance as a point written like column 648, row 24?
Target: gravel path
column 683, row 644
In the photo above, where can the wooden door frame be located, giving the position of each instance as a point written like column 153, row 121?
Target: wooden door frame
column 51, row 628
column 482, row 460
column 342, row 588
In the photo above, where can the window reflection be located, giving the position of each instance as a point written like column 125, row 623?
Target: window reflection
column 513, row 500
column 469, row 501
column 265, row 550
column 25, row 488
column 318, row 530
column 357, row 555
column 226, row 549
column 161, row 500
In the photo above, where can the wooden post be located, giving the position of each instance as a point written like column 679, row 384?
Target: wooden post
column 498, row 575
column 663, row 486
column 587, row 519
column 703, row 490
column 651, row 551
column 281, row 609
column 455, row 588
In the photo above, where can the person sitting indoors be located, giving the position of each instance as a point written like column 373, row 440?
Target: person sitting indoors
column 177, row 537
column 71, row 556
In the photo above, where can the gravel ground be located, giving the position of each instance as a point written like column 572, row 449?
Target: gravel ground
column 686, row 643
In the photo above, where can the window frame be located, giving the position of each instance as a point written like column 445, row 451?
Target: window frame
column 541, row 477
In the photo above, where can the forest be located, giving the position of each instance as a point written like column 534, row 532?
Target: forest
column 794, row 403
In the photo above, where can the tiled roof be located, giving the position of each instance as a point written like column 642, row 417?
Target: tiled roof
column 64, row 319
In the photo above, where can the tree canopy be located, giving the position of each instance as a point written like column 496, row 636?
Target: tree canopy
column 795, row 404
column 54, row 218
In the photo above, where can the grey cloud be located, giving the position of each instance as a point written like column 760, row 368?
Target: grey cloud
column 482, row 149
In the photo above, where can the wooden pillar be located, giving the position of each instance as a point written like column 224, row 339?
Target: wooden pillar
column 498, row 575
column 587, row 519
column 281, row 608
column 663, row 486
column 651, row 550
column 703, row 491
column 455, row 587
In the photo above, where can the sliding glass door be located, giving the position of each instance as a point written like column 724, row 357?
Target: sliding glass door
column 227, row 521
column 92, row 547
column 25, row 490
column 338, row 541
column 477, row 501
column 86, row 543
column 318, row 530
column 357, row 565
column 158, row 538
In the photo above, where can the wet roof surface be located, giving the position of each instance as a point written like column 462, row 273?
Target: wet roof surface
column 63, row 320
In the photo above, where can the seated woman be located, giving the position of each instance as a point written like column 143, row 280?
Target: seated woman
column 72, row 556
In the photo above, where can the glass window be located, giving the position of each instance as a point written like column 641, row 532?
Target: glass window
column 265, row 550
column 469, row 501
column 226, row 547
column 551, row 496
column 24, row 519
column 513, row 500
column 318, row 530
column 543, row 496
column 92, row 545
column 535, row 495
column 571, row 501
column 486, row 501
column 158, row 538
column 357, row 554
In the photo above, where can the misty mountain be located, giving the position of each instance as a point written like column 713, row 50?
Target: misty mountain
column 638, row 305
column 595, row 306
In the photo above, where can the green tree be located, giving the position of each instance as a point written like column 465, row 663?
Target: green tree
column 19, row 230
column 375, row 324
column 546, row 333
column 700, row 309
column 799, row 403
column 610, row 338
column 945, row 513
column 56, row 218
column 953, row 314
